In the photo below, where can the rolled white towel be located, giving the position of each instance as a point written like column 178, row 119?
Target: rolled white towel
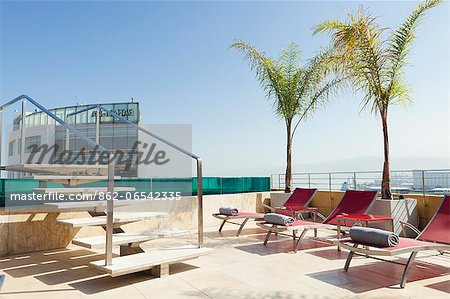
column 373, row 236
column 278, row 219
column 228, row 211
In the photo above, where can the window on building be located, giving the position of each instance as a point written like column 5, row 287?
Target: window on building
column 60, row 113
column 11, row 148
column 16, row 123
column 31, row 141
column 44, row 119
column 81, row 118
column 133, row 109
column 105, row 117
column 29, row 120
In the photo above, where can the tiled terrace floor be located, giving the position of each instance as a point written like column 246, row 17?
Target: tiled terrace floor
column 238, row 268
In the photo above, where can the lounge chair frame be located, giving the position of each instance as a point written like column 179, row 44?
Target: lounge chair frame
column 424, row 245
column 280, row 229
column 246, row 217
column 304, row 225
column 353, row 247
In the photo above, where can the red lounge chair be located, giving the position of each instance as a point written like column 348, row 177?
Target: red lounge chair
column 298, row 201
column 297, row 204
column 240, row 215
column 353, row 202
column 435, row 236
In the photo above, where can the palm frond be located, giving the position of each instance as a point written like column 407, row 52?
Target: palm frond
column 290, row 86
column 316, row 70
column 399, row 46
column 328, row 26
column 320, row 98
column 266, row 72
column 360, row 49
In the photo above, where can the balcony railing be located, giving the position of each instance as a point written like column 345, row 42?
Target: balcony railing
column 429, row 181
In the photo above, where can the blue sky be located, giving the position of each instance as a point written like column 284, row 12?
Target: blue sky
column 174, row 58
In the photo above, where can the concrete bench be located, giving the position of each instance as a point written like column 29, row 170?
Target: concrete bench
column 119, row 219
column 157, row 260
column 98, row 242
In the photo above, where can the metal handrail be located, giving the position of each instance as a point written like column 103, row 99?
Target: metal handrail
column 363, row 171
column 110, row 203
column 323, row 178
column 56, row 118
column 180, row 149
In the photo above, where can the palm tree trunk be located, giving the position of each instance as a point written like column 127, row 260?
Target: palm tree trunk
column 386, row 183
column 288, row 175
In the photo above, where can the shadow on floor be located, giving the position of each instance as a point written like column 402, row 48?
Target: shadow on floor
column 70, row 267
column 68, row 275
column 279, row 244
column 59, row 264
column 330, row 254
column 254, row 294
column 105, row 283
column 443, row 286
column 229, row 233
column 47, row 261
column 377, row 274
column 37, row 292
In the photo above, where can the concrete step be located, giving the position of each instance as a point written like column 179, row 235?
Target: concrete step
column 88, row 205
column 98, row 242
column 157, row 259
column 71, row 180
column 82, row 190
column 119, row 219
column 59, row 168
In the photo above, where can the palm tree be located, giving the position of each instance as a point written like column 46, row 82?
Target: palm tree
column 375, row 63
column 295, row 91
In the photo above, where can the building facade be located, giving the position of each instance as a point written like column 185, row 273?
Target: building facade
column 110, row 132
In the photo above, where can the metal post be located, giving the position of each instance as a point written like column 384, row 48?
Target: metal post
column 110, row 212
column 423, row 193
column 97, row 131
column 1, row 137
column 22, row 132
column 97, row 127
column 329, row 185
column 309, row 180
column 354, row 180
column 329, row 181
column 423, row 183
column 200, row 202
column 67, row 143
column 279, row 181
